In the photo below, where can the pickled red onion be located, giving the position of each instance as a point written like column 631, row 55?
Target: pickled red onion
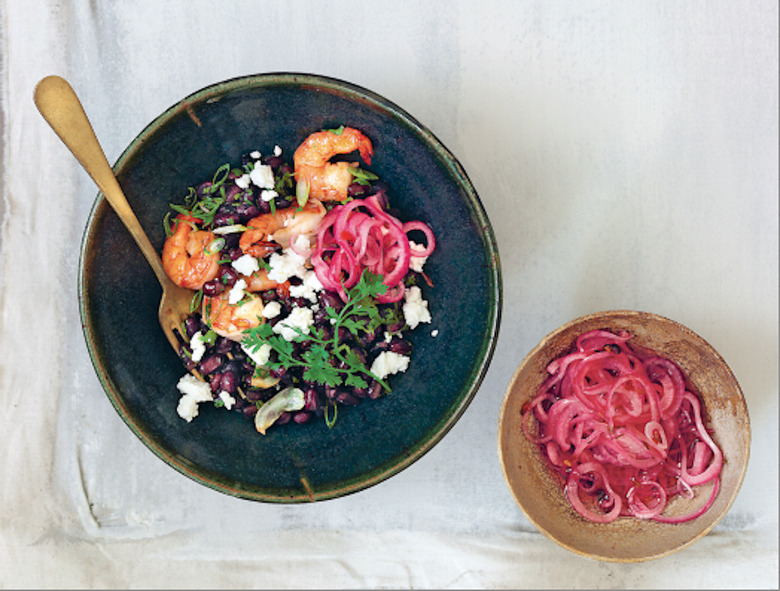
column 622, row 431
column 360, row 235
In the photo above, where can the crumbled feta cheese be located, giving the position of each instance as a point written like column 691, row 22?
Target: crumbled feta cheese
column 277, row 151
column 261, row 355
column 262, row 175
column 434, row 333
column 272, row 310
column 387, row 363
column 227, row 399
column 237, row 292
column 309, row 288
column 300, row 318
column 246, row 264
column 243, row 181
column 193, row 392
column 415, row 308
column 255, row 154
column 197, row 346
column 416, row 262
column 285, row 265
column 268, row 194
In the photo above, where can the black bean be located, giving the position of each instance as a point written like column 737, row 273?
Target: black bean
column 272, row 160
column 203, row 188
column 301, row 417
column 226, row 218
column 310, row 399
column 213, row 288
column 228, row 275
column 254, row 394
column 284, row 418
column 229, row 382
column 282, row 202
column 223, row 345
column 210, row 364
column 331, row 299
column 359, row 392
column 278, row 373
column 358, row 190
column 346, row 398
column 215, row 383
column 192, row 325
column 400, row 346
column 247, row 211
column 235, row 253
column 249, row 411
column 232, row 193
column 374, row 390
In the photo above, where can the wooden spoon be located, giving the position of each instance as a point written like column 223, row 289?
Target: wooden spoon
column 62, row 109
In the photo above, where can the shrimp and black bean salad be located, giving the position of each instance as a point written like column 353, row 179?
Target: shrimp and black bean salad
column 305, row 283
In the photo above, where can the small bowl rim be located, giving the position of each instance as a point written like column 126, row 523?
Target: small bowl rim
column 607, row 314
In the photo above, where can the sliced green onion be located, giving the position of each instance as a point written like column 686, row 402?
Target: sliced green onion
column 302, row 192
column 231, row 229
column 196, row 300
column 214, row 246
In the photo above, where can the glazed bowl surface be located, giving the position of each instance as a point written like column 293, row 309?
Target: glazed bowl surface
column 540, row 493
column 138, row 369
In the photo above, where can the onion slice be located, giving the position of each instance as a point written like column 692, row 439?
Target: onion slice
column 622, row 431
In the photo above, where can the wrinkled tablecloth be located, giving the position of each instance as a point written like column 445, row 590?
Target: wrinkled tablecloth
column 627, row 155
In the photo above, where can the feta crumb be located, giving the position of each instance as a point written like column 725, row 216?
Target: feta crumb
column 255, row 154
column 243, row 181
column 277, row 151
column 415, row 308
column 246, row 264
column 387, row 363
column 300, row 318
column 261, row 355
column 268, row 195
column 285, row 265
column 309, row 288
column 262, row 175
column 272, row 310
column 237, row 292
column 416, row 262
column 197, row 346
column 194, row 392
column 227, row 399
column 434, row 333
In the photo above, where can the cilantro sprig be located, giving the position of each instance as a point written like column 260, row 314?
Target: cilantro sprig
column 326, row 359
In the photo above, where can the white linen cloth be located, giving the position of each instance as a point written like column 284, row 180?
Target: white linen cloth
column 627, row 155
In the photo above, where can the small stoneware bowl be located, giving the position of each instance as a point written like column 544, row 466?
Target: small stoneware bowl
column 540, row 494
column 119, row 294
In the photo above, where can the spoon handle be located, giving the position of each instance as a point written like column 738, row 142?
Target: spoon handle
column 62, row 109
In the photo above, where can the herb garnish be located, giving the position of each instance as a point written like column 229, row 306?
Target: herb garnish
column 330, row 361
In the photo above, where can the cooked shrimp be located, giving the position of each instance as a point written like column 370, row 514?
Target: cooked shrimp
column 266, row 232
column 259, row 281
column 328, row 181
column 230, row 320
column 186, row 257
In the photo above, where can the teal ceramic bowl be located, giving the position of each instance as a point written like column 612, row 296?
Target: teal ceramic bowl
column 119, row 295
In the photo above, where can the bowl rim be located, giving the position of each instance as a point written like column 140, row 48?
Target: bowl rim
column 455, row 170
column 747, row 437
